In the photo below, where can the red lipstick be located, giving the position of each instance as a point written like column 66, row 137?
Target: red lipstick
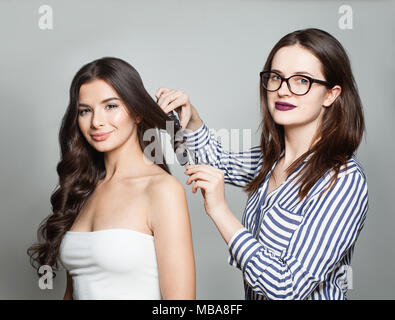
column 284, row 106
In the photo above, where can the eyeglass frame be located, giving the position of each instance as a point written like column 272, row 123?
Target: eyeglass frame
column 312, row 80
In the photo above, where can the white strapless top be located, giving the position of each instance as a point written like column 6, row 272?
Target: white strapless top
column 111, row 264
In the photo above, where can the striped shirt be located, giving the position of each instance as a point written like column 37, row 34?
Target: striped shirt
column 290, row 249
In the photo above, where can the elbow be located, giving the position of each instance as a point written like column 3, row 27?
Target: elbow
column 279, row 290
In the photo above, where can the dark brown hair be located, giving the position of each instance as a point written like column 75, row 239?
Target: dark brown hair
column 81, row 166
column 342, row 125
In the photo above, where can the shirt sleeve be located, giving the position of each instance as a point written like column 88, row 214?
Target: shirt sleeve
column 239, row 167
column 329, row 228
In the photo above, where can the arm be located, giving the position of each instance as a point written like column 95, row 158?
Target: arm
column 173, row 240
column 239, row 167
column 329, row 229
column 68, row 295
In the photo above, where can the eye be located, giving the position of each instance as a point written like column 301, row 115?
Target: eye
column 276, row 77
column 81, row 112
column 111, row 106
column 302, row 81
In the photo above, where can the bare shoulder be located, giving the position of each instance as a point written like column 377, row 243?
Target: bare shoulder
column 163, row 186
column 168, row 202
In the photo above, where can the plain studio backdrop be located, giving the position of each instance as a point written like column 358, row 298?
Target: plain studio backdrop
column 213, row 50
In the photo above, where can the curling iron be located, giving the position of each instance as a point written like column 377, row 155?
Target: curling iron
column 183, row 154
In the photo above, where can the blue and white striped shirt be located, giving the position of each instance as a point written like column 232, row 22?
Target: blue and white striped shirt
column 290, row 249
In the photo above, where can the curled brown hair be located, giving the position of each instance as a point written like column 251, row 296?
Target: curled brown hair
column 342, row 127
column 81, row 166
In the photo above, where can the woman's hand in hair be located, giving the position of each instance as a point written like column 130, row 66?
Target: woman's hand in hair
column 169, row 99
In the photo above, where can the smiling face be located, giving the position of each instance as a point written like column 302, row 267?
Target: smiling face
column 103, row 118
column 309, row 108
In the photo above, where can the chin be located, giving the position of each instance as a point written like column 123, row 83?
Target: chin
column 284, row 121
column 101, row 147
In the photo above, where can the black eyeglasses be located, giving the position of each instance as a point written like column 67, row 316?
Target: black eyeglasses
column 297, row 84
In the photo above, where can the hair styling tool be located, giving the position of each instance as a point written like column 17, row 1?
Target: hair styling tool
column 183, row 154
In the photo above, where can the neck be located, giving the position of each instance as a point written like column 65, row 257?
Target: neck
column 298, row 140
column 128, row 160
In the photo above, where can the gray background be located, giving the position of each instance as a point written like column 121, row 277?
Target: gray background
column 213, row 50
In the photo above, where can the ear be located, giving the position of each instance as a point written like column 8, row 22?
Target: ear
column 138, row 119
column 331, row 96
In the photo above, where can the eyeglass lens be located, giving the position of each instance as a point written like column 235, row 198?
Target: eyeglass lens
column 297, row 84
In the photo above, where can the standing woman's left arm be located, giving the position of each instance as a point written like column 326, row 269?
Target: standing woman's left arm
column 328, row 230
column 173, row 240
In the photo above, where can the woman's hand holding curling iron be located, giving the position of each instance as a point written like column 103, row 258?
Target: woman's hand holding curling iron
column 209, row 179
column 169, row 100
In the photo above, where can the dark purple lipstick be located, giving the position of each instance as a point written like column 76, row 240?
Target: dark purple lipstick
column 284, row 106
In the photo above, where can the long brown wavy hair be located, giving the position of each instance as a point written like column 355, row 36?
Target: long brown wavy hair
column 342, row 127
column 81, row 166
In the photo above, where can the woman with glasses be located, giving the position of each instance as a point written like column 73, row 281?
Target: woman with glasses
column 307, row 193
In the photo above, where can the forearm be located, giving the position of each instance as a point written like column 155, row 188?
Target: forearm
column 259, row 276
column 195, row 122
column 226, row 223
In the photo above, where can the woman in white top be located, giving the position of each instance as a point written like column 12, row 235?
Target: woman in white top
column 120, row 223
column 307, row 193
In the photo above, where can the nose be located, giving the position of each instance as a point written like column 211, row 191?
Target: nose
column 98, row 119
column 284, row 90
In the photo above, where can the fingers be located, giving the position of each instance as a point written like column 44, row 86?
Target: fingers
column 168, row 97
column 160, row 91
column 177, row 101
column 203, row 185
column 199, row 176
column 169, row 100
column 205, row 176
column 193, row 168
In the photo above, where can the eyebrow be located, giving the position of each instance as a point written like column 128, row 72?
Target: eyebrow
column 297, row 72
column 104, row 101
